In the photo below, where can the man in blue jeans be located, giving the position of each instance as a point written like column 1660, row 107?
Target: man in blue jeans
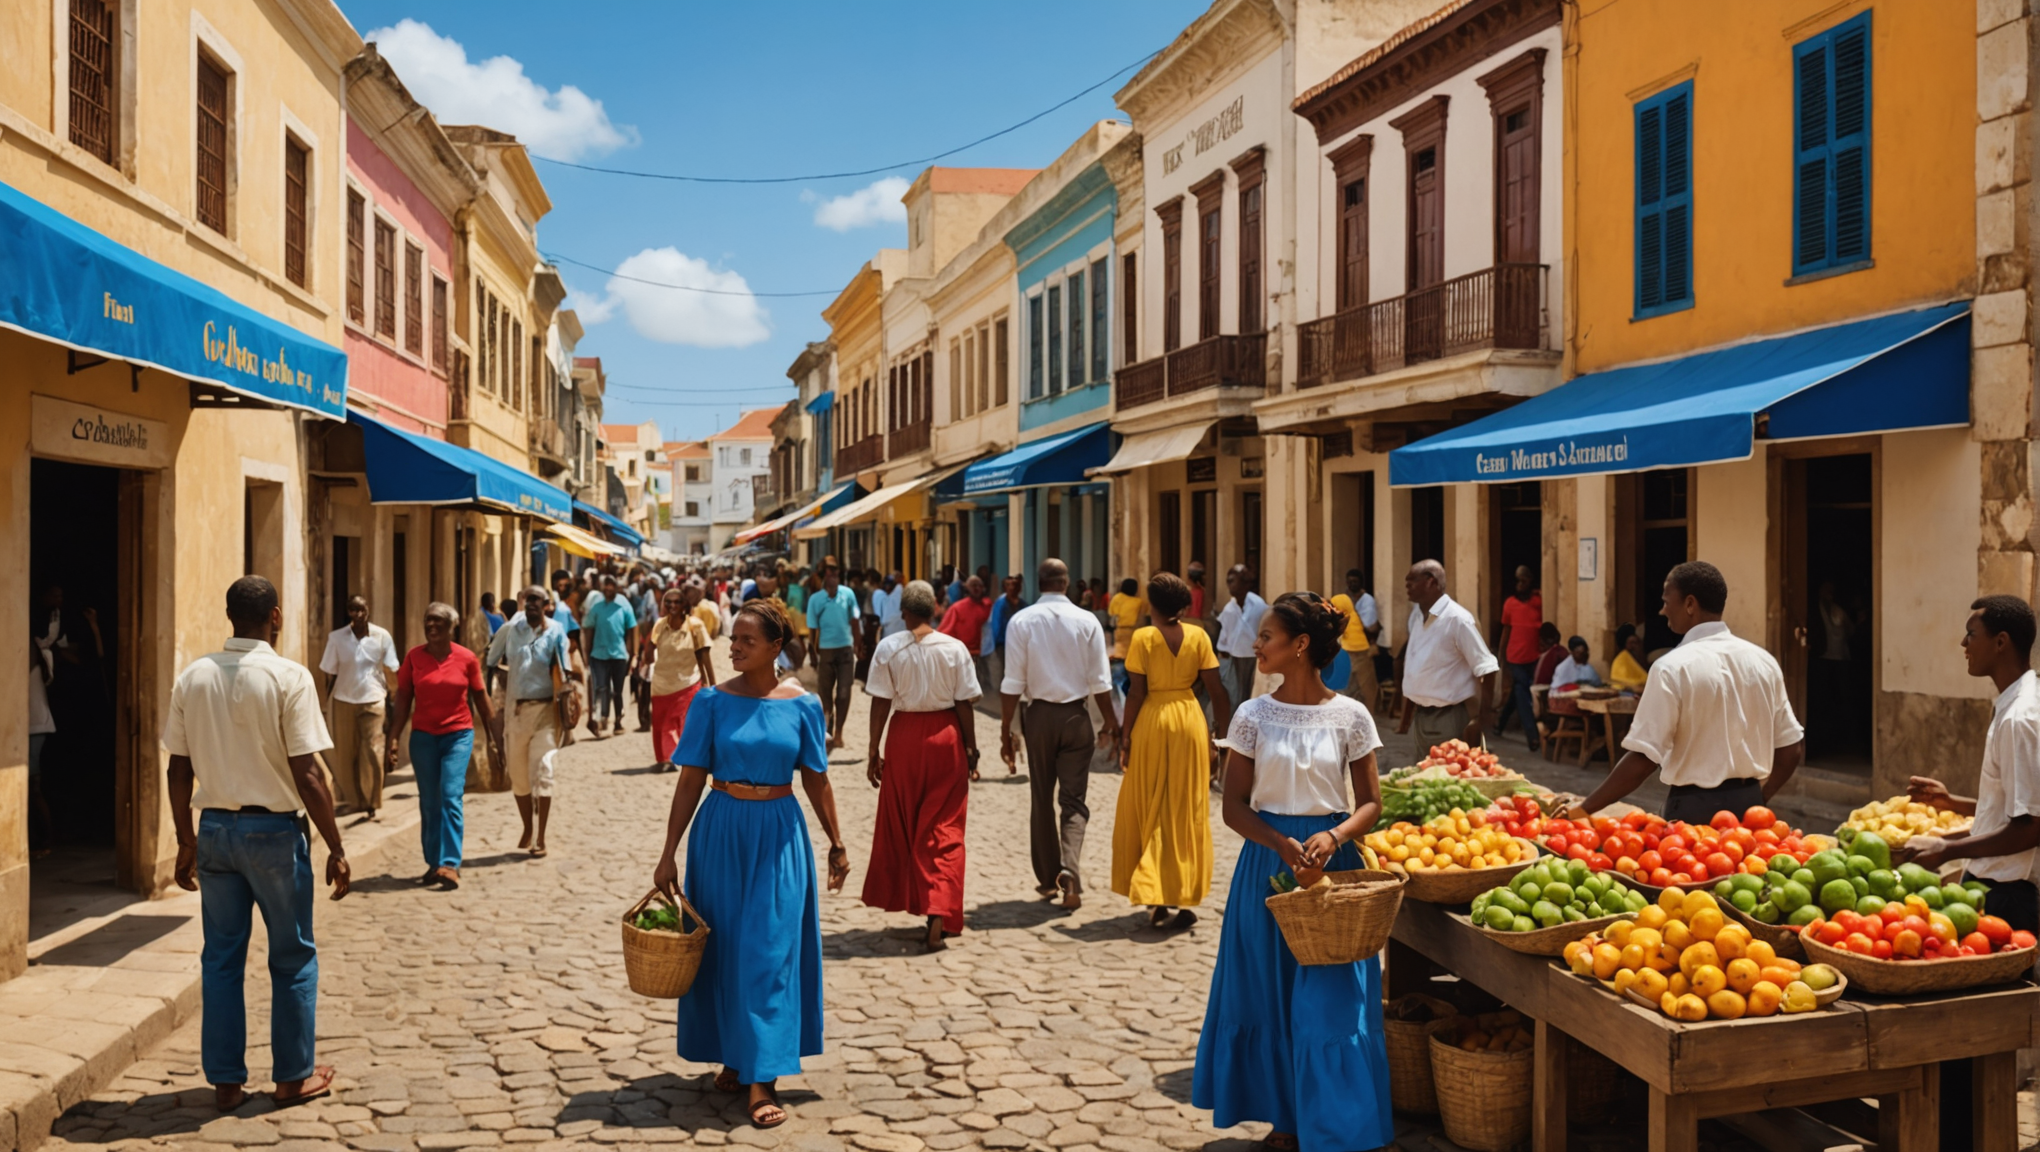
column 606, row 624
column 245, row 729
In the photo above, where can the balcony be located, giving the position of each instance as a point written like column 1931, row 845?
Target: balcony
column 910, row 439
column 866, row 453
column 1141, row 383
column 1214, row 362
column 548, row 443
column 1498, row 307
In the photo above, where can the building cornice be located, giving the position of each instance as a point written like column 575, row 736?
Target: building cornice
column 1230, row 37
column 379, row 103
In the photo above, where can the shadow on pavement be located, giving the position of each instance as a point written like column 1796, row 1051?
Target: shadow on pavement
column 1133, row 928
column 1013, row 914
column 1176, row 1086
column 112, row 940
column 873, row 942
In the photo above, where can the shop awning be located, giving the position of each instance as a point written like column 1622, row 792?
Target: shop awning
column 68, row 284
column 624, row 532
column 583, row 544
column 836, row 499
column 866, row 507
column 1051, row 460
column 822, row 403
column 1890, row 374
column 405, row 468
column 1144, row 448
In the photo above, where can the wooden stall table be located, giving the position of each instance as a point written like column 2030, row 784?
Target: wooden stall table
column 1609, row 708
column 1879, row 1047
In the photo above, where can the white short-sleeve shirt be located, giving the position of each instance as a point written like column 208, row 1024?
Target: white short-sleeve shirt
column 356, row 664
column 922, row 673
column 1302, row 753
column 1444, row 656
column 2010, row 784
column 239, row 715
column 1714, row 710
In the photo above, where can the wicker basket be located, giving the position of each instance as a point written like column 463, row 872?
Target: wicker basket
column 662, row 964
column 1410, row 1086
column 1483, row 1097
column 1542, row 941
column 1906, row 977
column 1784, row 941
column 1593, row 1083
column 1347, row 923
column 1460, row 887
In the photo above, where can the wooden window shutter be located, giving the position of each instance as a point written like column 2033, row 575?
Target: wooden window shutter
column 439, row 294
column 94, row 57
column 1172, row 274
column 212, row 145
column 1101, row 343
column 414, row 300
column 297, row 163
column 1002, row 352
column 1210, row 194
column 357, row 245
column 928, row 383
column 385, row 280
column 1831, row 148
column 1129, row 308
column 1664, row 201
column 1078, row 305
column 1350, row 167
column 1252, row 170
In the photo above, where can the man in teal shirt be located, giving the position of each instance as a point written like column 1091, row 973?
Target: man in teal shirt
column 829, row 613
column 606, row 624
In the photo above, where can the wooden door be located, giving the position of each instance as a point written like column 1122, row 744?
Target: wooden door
column 1427, row 221
column 1795, row 632
column 1353, row 244
column 1207, row 274
column 1516, row 239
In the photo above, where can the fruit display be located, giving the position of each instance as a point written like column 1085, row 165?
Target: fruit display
column 1460, row 760
column 1651, row 851
column 1554, row 892
column 1453, row 841
column 1910, row 930
column 1683, row 955
column 1899, row 819
column 1521, row 815
column 1859, row 879
column 1421, row 801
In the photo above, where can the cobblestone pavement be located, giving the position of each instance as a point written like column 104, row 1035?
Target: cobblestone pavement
column 499, row 1015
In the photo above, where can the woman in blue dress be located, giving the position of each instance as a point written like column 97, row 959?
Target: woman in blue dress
column 1299, row 1048
column 756, row 1005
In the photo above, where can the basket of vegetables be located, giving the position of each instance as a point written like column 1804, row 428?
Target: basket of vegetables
column 662, row 946
column 1335, row 917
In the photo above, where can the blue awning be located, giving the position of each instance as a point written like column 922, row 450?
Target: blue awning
column 822, row 403
column 404, row 468
column 624, row 532
column 1890, row 374
column 1051, row 460
column 64, row 282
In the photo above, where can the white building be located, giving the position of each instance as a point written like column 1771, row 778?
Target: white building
column 740, row 459
column 691, row 473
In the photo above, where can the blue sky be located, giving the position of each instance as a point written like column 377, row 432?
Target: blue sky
column 783, row 89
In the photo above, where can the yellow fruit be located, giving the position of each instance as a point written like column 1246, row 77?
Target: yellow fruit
column 1698, row 956
column 1707, row 980
column 1427, row 854
column 1689, row 1008
column 1679, row 935
column 1652, row 983
column 1764, row 997
column 1633, row 957
column 1677, row 983
column 1669, row 1003
column 1664, row 960
column 1624, row 979
column 1607, row 958
column 1672, row 900
column 1580, row 959
column 1650, row 938
column 1399, row 853
column 1798, row 998
column 1743, row 974
column 1760, row 951
column 1652, row 916
column 1618, row 933
column 1727, row 1005
column 1694, row 902
column 1732, row 941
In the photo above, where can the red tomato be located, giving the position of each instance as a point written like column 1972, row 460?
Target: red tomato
column 1893, row 912
column 1578, row 851
column 1759, row 817
column 1528, row 807
column 1967, row 951
column 1661, row 877
column 1832, row 933
column 1588, row 837
column 1680, row 880
column 1652, row 840
column 1995, row 929
column 1555, row 841
column 1718, row 864
column 1857, row 943
column 1700, row 872
column 1916, row 923
column 1743, row 839
column 1978, row 941
column 1599, row 862
column 1605, row 825
column 1673, row 843
column 1650, row 860
column 1724, row 820
column 1882, row 949
column 1765, row 837
column 1626, row 865
column 2022, row 939
column 1733, row 851
column 1637, row 821
column 1755, row 865
column 1850, row 920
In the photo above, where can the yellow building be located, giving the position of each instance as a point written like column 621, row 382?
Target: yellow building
column 172, row 329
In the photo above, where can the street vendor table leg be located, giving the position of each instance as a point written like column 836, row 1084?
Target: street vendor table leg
column 1547, row 1124
column 1911, row 1120
column 1674, row 1123
column 1994, row 1108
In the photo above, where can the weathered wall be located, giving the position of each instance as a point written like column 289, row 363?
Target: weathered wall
column 1729, row 506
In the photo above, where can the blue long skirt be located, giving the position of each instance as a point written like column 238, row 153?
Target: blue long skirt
column 1297, row 1047
column 756, row 1004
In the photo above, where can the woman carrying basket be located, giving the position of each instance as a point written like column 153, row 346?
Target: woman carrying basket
column 1301, row 1048
column 756, row 1004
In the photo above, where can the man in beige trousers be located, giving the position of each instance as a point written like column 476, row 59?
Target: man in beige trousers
column 357, row 662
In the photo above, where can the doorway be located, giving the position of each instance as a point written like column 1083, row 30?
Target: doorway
column 1829, row 566
column 1427, row 524
column 1516, row 527
column 1204, row 531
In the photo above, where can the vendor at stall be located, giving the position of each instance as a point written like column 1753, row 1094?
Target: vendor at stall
column 1686, row 725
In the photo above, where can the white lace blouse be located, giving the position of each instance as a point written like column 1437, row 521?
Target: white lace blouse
column 1302, row 752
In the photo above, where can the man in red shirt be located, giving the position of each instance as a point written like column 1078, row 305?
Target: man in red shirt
column 966, row 618
column 1522, row 620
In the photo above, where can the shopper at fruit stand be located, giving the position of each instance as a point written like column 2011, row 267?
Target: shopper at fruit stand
column 1522, row 620
column 1239, row 622
column 1444, row 664
column 1714, row 720
column 756, row 1004
column 1363, row 628
column 1299, row 1048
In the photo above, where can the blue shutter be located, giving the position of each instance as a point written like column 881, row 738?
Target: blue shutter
column 1664, row 201
column 1831, row 148
column 1851, row 55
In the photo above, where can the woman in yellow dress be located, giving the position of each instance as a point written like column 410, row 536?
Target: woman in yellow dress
column 1628, row 671
column 1161, row 840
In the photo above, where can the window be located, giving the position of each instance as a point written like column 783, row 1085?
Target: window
column 649, row 458
column 1000, row 361
column 357, row 244
column 1423, row 135
column 414, row 300
column 1172, row 276
column 744, row 457
column 212, row 144
column 956, row 390
column 693, row 507
column 1831, row 152
column 1129, row 309
column 1100, row 346
column 1210, row 194
column 492, row 351
column 1034, row 378
column 297, row 164
column 1350, row 165
column 385, row 280
column 1077, row 314
column 1664, row 202
column 439, row 297
column 516, row 361
column 1252, row 172
column 984, row 368
column 1055, row 340
column 693, row 476
column 94, row 67
column 1515, row 93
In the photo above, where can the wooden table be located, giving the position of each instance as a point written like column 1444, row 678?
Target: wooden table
column 1862, row 1047
column 1609, row 708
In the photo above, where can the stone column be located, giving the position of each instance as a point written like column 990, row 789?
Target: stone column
column 2002, row 333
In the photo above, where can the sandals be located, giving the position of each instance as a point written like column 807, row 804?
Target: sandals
column 1181, row 921
column 316, row 1086
column 726, row 1081
column 446, row 878
column 227, row 1097
column 1279, row 1142
column 538, row 851
column 759, row 1109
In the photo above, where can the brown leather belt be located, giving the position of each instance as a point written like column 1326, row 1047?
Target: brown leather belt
column 739, row 790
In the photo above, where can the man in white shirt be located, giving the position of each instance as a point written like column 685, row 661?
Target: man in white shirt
column 243, row 734
column 1056, row 659
column 357, row 660
column 1239, row 623
column 1714, row 719
column 1445, row 664
column 885, row 605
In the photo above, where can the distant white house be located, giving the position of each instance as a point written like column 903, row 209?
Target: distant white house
column 693, row 486
column 740, row 459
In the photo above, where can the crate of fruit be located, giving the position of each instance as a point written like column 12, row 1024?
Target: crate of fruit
column 1452, row 858
column 1899, row 819
column 1899, row 952
column 1551, row 904
column 1684, row 958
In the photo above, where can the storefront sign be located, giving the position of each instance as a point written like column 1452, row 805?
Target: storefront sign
column 64, row 430
column 1208, row 135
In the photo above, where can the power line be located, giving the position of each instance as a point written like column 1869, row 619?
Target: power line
column 865, row 171
column 556, row 258
column 696, row 391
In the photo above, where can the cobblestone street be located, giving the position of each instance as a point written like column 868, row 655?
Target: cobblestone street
column 498, row 1014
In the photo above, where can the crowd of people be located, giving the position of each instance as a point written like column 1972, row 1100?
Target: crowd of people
column 1153, row 675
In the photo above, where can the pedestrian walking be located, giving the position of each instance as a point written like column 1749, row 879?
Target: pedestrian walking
column 646, row 593
column 356, row 663
column 243, row 734
column 540, row 674
column 489, row 613
column 1009, row 603
column 756, row 1004
column 885, row 608
column 606, row 624
column 1055, row 659
column 439, row 683
column 703, row 609
column 923, row 748
column 832, row 616
column 1122, row 617
column 1444, row 664
column 679, row 662
column 1520, row 646
column 1161, row 839
column 1239, row 622
column 42, row 724
column 968, row 619
column 798, row 586
column 1363, row 631
column 1300, row 1048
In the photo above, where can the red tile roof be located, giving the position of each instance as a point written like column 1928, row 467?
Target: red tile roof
column 1004, row 181
column 755, row 425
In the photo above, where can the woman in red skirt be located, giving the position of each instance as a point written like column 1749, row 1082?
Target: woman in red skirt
column 922, row 682
column 677, row 652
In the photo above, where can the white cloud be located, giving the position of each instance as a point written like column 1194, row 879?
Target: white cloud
column 875, row 203
column 562, row 124
column 728, row 316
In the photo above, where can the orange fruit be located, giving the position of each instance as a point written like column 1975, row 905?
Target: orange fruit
column 1705, row 922
column 1764, row 997
column 1707, row 980
column 1652, row 983
column 1698, row 956
column 1607, row 958
column 1727, row 1005
column 1743, row 974
column 1760, row 951
column 1731, row 941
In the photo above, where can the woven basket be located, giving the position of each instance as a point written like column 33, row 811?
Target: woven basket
column 1483, row 1097
column 662, row 964
column 1410, row 1086
column 1461, row 887
column 1907, row 977
column 1541, row 941
column 1342, row 925
column 1593, row 1083
column 1783, row 941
